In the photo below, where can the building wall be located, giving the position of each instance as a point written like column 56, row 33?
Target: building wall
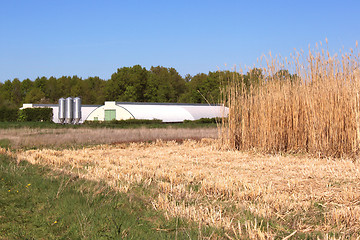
column 99, row 113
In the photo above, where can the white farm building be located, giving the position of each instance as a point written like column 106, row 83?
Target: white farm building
column 167, row 112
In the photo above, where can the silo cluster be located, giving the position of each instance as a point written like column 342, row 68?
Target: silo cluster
column 70, row 110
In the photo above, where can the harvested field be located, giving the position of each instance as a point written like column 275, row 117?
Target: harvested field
column 26, row 137
column 254, row 196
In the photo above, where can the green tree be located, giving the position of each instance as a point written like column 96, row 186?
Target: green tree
column 195, row 89
column 94, row 91
column 5, row 95
column 127, row 84
column 77, row 88
column 35, row 96
column 26, row 86
column 204, row 88
column 7, row 89
column 52, row 90
column 40, row 83
column 16, row 94
column 164, row 85
column 64, row 86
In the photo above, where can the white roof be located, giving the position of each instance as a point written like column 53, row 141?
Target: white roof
column 206, row 111
column 173, row 112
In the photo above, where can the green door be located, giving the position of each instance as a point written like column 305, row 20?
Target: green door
column 110, row 115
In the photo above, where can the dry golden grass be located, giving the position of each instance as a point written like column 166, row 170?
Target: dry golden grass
column 26, row 137
column 318, row 112
column 199, row 181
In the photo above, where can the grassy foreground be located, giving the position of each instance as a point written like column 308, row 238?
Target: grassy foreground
column 36, row 203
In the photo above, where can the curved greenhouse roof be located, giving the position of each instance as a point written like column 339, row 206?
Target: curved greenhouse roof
column 173, row 112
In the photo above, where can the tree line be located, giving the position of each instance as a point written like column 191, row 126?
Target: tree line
column 127, row 84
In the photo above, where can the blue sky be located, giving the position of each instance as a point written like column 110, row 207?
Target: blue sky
column 94, row 38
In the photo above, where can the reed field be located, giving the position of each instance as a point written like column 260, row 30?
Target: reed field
column 316, row 111
column 251, row 195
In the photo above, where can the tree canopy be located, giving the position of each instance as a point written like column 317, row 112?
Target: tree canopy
column 128, row 84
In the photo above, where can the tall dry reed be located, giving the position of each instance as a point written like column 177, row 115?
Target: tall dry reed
column 315, row 109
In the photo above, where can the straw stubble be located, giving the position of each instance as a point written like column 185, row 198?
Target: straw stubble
column 201, row 182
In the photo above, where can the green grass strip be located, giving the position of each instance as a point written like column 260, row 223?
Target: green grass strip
column 36, row 203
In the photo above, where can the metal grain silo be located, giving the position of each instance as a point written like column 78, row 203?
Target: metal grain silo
column 68, row 110
column 62, row 110
column 77, row 110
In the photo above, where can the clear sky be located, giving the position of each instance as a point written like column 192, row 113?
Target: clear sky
column 94, row 38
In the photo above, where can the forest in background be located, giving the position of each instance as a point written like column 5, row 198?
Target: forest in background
column 127, row 84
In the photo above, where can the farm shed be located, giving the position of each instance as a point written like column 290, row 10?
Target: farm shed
column 167, row 112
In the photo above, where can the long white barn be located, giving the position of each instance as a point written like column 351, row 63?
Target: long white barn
column 167, row 112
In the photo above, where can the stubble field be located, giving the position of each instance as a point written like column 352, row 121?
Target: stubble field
column 250, row 195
